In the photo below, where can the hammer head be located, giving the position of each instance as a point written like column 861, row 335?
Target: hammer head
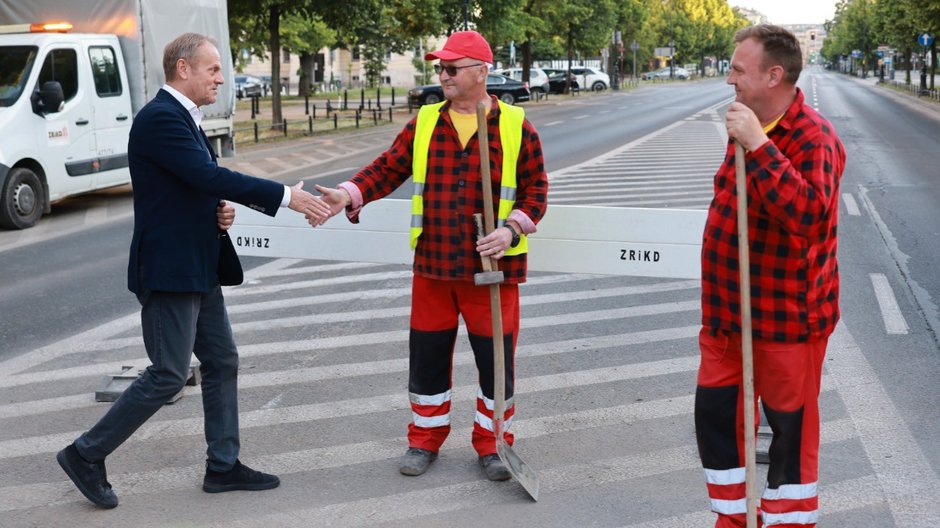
column 488, row 277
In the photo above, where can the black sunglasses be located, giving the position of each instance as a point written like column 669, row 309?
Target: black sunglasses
column 452, row 70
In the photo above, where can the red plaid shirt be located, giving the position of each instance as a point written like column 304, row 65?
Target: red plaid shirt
column 793, row 206
column 447, row 247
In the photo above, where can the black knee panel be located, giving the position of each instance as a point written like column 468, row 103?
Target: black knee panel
column 715, row 420
column 483, row 354
column 784, row 450
column 430, row 360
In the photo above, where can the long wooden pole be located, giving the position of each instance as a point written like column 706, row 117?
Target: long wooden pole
column 747, row 345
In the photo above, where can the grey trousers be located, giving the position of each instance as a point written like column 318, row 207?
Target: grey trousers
column 176, row 325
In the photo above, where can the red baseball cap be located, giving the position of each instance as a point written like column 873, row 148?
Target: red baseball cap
column 462, row 44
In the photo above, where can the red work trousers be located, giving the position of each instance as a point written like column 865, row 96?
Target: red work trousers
column 786, row 379
column 435, row 307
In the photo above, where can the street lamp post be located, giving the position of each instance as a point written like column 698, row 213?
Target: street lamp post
column 672, row 59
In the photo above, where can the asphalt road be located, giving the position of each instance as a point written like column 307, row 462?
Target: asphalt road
column 606, row 364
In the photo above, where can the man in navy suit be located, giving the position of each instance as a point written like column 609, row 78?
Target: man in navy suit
column 173, row 269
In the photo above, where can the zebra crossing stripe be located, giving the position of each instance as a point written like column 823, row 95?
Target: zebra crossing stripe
column 418, row 506
column 349, row 370
column 838, row 497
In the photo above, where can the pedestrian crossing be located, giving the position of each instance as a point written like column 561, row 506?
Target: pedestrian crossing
column 672, row 167
column 605, row 388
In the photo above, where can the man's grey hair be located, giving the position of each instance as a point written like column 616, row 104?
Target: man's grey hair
column 182, row 47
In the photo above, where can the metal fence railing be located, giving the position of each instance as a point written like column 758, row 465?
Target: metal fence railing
column 913, row 88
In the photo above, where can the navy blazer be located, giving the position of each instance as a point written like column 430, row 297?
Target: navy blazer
column 177, row 187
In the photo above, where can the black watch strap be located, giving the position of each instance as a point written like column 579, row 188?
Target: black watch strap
column 515, row 236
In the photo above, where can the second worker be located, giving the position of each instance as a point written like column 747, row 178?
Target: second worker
column 441, row 150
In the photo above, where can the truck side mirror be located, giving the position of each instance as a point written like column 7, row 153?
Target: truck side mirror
column 48, row 100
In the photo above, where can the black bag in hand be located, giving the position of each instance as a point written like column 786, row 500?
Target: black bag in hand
column 230, row 268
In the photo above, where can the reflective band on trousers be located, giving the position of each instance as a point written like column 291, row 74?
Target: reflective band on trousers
column 729, row 507
column 510, row 136
column 797, row 517
column 791, row 492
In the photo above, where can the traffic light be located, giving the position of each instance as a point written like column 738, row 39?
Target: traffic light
column 812, row 35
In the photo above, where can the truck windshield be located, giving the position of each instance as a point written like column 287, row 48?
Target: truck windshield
column 15, row 64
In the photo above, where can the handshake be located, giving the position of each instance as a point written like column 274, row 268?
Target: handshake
column 316, row 209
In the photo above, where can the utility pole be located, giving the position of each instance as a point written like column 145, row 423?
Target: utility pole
column 466, row 15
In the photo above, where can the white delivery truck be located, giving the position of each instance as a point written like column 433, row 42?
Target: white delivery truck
column 72, row 76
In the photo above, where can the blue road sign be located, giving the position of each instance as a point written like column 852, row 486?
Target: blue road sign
column 925, row 39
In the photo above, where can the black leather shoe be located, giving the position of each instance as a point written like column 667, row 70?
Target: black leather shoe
column 494, row 468
column 90, row 478
column 240, row 477
column 415, row 461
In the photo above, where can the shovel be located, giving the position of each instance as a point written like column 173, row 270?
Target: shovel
column 517, row 467
column 747, row 346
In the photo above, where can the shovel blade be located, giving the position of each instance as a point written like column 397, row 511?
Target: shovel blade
column 522, row 472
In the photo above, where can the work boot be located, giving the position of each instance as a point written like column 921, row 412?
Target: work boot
column 415, row 461
column 494, row 467
column 240, row 477
column 90, row 478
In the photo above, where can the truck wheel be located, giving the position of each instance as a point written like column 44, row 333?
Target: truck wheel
column 21, row 200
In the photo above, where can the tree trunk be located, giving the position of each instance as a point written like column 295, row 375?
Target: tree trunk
column 570, row 47
column 933, row 62
column 274, row 26
column 306, row 74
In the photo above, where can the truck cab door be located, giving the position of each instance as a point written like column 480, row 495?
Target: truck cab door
column 111, row 102
column 66, row 138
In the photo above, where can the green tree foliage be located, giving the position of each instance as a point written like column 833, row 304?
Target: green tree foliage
column 865, row 24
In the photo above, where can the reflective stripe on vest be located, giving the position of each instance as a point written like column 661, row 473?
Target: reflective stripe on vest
column 510, row 134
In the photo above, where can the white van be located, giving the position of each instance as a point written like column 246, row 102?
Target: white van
column 67, row 99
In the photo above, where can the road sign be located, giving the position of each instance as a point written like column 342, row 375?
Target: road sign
column 925, row 39
column 635, row 45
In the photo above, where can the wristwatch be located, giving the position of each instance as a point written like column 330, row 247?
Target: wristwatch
column 515, row 236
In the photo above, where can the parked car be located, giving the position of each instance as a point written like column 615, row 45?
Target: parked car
column 556, row 80
column 591, row 78
column 538, row 79
column 247, row 86
column 662, row 74
column 507, row 90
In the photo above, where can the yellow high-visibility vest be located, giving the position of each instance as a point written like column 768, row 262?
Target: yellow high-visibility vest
column 510, row 135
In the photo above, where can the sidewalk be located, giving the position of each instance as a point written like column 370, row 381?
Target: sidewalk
column 930, row 103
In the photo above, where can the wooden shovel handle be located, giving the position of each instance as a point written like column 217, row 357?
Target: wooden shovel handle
column 747, row 345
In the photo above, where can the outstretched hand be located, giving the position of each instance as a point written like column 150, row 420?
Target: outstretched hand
column 336, row 199
column 312, row 207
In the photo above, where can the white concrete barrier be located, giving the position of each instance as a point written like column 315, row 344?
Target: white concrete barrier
column 574, row 239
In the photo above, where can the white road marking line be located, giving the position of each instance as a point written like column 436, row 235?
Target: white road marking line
column 905, row 474
column 890, row 311
column 478, row 494
column 349, row 370
column 851, row 206
column 838, row 497
column 274, row 403
column 582, row 116
column 335, row 342
column 553, row 123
